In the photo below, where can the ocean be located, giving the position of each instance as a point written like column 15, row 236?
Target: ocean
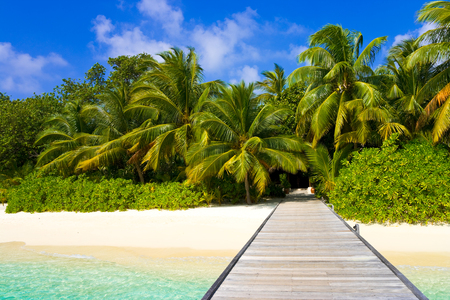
column 32, row 275
column 26, row 274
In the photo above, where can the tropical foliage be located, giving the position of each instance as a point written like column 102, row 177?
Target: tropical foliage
column 50, row 193
column 325, row 169
column 435, row 45
column 397, row 183
column 156, row 120
column 342, row 93
column 274, row 84
column 20, row 123
column 240, row 140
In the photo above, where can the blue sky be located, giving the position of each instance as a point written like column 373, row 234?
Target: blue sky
column 42, row 42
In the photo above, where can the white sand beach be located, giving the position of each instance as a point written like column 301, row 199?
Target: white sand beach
column 212, row 231
column 206, row 231
column 406, row 244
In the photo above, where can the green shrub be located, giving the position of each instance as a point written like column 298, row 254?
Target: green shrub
column 274, row 190
column 51, row 193
column 228, row 188
column 168, row 195
column 408, row 184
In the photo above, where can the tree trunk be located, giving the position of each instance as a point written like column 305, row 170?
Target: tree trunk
column 138, row 168
column 247, row 190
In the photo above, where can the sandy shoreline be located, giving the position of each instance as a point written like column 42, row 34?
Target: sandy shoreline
column 406, row 244
column 215, row 231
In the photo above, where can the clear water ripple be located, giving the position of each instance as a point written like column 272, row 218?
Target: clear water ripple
column 28, row 275
column 56, row 277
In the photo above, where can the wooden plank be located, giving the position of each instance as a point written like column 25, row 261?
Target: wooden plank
column 305, row 251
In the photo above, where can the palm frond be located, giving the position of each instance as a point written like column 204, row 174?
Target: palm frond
column 386, row 129
column 325, row 116
column 210, row 166
column 338, row 70
column 106, row 158
column 318, row 57
column 50, row 135
column 442, row 122
column 162, row 149
column 433, row 53
column 367, row 56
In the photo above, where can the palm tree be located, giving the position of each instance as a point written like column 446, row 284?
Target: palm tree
column 114, row 118
column 240, row 140
column 437, row 51
column 340, row 93
column 406, row 84
column 273, row 85
column 325, row 169
column 71, row 139
column 174, row 87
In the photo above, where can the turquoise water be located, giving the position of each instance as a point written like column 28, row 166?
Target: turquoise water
column 28, row 275
column 434, row 282
column 59, row 277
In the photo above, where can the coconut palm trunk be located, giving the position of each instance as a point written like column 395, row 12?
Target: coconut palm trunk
column 139, row 170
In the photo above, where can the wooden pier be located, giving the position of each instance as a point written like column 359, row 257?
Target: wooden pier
column 303, row 250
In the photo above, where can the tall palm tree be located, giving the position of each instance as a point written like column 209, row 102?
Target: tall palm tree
column 241, row 141
column 273, row 85
column 174, row 87
column 406, row 84
column 436, row 51
column 340, row 93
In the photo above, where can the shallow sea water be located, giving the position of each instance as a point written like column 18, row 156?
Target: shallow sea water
column 31, row 275
column 434, row 282
column 28, row 275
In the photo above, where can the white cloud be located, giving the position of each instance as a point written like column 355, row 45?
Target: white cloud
column 401, row 37
column 296, row 50
column 22, row 73
column 425, row 27
column 170, row 17
column 247, row 73
column 130, row 42
column 223, row 43
column 296, row 29
column 120, row 5
column 413, row 34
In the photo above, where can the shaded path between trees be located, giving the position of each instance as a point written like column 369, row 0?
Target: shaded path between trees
column 303, row 250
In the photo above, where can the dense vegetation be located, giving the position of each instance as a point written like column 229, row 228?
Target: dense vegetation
column 87, row 194
column 407, row 182
column 52, row 193
column 156, row 120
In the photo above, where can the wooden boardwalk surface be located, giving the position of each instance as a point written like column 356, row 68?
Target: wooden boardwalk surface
column 305, row 251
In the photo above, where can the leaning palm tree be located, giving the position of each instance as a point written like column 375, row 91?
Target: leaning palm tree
column 174, row 87
column 340, row 93
column 274, row 84
column 436, row 51
column 240, row 140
